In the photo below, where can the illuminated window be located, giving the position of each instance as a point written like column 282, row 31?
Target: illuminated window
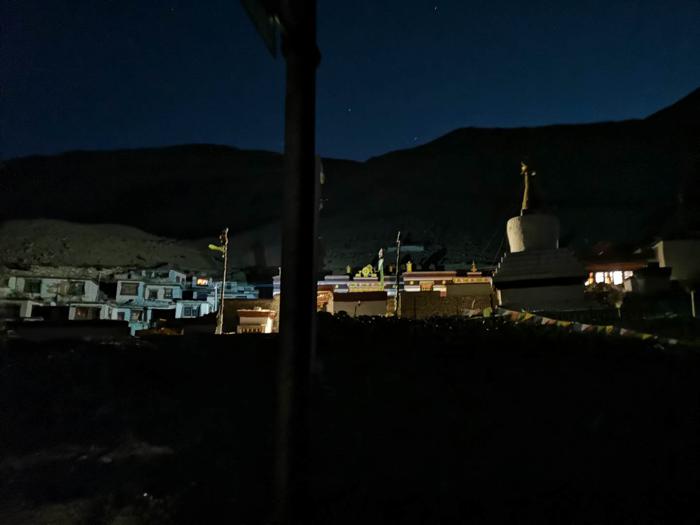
column 616, row 277
column 201, row 281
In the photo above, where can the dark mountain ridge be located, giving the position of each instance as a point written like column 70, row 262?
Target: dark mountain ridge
column 620, row 181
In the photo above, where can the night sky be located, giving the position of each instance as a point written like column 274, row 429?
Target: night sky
column 101, row 74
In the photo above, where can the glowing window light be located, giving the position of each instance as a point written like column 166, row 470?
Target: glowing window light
column 600, row 277
column 201, row 281
column 617, row 277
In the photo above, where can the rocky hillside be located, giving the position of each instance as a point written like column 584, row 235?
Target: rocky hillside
column 34, row 244
column 620, row 181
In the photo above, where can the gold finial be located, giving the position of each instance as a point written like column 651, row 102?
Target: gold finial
column 474, row 270
column 528, row 202
column 409, row 266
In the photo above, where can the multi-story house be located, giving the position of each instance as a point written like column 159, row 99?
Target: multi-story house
column 20, row 296
column 146, row 296
column 139, row 297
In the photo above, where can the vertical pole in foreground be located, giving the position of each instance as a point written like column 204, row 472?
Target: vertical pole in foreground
column 298, row 296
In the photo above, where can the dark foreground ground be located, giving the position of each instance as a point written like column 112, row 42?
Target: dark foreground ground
column 447, row 421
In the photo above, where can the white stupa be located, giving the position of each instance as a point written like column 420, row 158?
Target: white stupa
column 537, row 275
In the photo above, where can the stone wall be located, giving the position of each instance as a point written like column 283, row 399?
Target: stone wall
column 422, row 305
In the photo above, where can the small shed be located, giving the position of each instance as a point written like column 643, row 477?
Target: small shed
column 256, row 321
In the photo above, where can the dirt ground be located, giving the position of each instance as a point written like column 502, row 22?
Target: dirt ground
column 436, row 421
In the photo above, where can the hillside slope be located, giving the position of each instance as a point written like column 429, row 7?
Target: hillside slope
column 60, row 244
column 615, row 181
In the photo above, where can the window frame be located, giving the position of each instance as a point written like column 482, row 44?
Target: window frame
column 73, row 284
column 122, row 292
column 28, row 285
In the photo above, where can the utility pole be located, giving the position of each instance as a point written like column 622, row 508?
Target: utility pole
column 223, row 248
column 398, row 271
column 297, row 21
column 693, row 312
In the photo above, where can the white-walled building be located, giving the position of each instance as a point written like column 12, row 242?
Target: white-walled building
column 255, row 321
column 155, row 275
column 141, row 298
column 21, row 294
column 144, row 291
column 130, row 291
column 682, row 256
column 92, row 312
column 162, row 292
column 187, row 309
column 17, row 308
column 58, row 289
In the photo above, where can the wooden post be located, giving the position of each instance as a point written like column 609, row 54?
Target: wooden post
column 298, row 280
column 297, row 20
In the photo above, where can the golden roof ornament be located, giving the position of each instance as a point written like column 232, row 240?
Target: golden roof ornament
column 367, row 271
column 528, row 194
